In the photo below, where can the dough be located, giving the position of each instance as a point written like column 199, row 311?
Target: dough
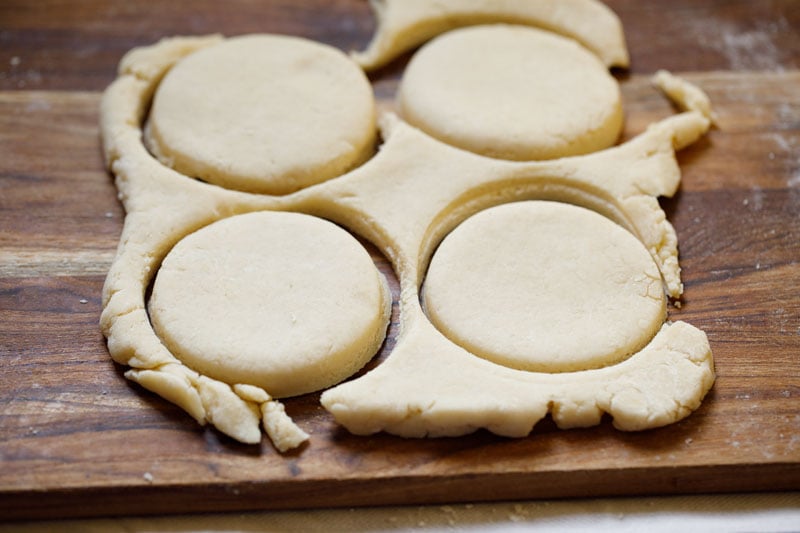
column 455, row 393
column 405, row 200
column 687, row 96
column 512, row 92
column 263, row 113
column 544, row 286
column 405, row 24
column 288, row 302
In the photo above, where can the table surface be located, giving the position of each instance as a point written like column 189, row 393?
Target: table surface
column 72, row 429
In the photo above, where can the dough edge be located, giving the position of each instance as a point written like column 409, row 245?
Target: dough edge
column 404, row 24
column 601, row 129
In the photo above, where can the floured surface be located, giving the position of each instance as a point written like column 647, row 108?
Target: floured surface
column 733, row 217
column 405, row 24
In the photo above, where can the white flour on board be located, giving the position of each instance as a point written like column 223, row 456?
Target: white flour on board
column 754, row 49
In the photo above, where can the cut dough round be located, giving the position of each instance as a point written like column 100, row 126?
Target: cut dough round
column 544, row 286
column 263, row 113
column 512, row 92
column 284, row 301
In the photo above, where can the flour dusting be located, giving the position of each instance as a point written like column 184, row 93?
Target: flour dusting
column 753, row 49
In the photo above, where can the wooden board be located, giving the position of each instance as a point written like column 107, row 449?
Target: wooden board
column 77, row 439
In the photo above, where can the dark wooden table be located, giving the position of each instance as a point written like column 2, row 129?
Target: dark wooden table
column 76, row 438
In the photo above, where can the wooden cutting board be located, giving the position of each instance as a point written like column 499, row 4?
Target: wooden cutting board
column 77, row 439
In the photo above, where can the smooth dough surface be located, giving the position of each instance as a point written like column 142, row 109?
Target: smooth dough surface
column 545, row 286
column 512, row 92
column 284, row 301
column 263, row 113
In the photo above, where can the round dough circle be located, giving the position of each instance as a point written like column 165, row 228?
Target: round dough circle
column 512, row 92
column 263, row 113
column 544, row 286
column 285, row 301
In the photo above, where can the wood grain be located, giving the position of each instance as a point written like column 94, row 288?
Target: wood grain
column 76, row 45
column 77, row 439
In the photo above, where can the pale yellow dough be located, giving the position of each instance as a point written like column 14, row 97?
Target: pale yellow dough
column 405, row 200
column 687, row 96
column 263, row 113
column 405, row 24
column 544, row 286
column 288, row 302
column 512, row 92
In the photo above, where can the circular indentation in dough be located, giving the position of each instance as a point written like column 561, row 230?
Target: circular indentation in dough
column 544, row 286
column 285, row 301
column 512, row 92
column 263, row 113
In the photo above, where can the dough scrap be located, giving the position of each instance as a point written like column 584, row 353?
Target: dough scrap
column 303, row 113
column 282, row 431
column 283, row 301
column 405, row 199
column 530, row 95
column 544, row 286
column 405, row 24
column 688, row 96
column 421, row 396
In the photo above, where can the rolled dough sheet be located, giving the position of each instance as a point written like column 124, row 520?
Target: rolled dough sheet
column 512, row 92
